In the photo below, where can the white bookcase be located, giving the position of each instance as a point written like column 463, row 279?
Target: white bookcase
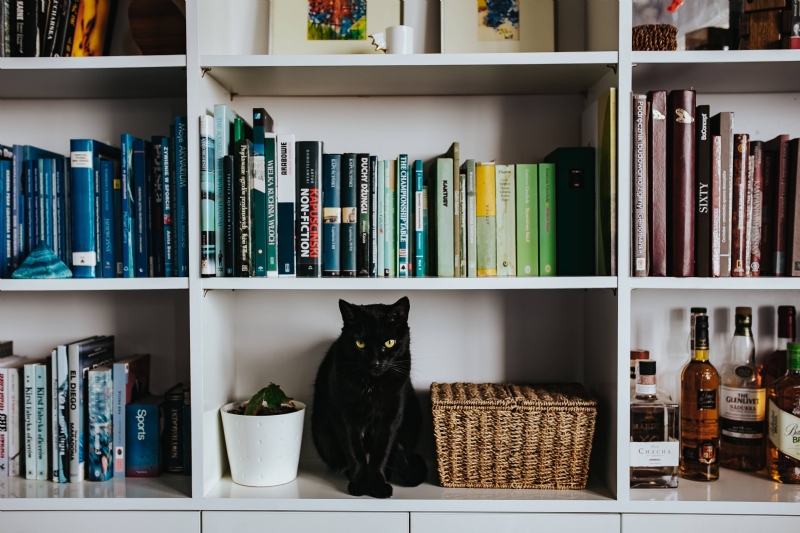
column 228, row 337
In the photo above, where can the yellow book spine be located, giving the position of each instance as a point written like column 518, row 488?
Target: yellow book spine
column 486, row 219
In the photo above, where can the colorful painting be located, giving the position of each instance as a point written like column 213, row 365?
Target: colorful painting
column 337, row 20
column 498, row 20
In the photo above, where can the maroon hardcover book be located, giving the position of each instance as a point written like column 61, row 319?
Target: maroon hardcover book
column 741, row 158
column 657, row 181
column 716, row 204
column 756, row 209
column 793, row 210
column 780, row 147
column 680, row 183
column 639, row 174
column 768, row 213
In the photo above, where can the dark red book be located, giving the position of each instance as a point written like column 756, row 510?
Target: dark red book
column 756, row 194
column 780, row 147
column 680, row 183
column 702, row 238
column 716, row 204
column 768, row 175
column 793, row 210
column 657, row 181
column 741, row 159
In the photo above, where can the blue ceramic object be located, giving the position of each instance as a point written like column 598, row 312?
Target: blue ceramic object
column 42, row 263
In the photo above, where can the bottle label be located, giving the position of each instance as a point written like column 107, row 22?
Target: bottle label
column 646, row 390
column 784, row 431
column 704, row 453
column 746, row 405
column 706, row 399
column 654, row 454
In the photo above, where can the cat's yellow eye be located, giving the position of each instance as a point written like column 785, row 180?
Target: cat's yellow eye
column 389, row 343
column 360, row 344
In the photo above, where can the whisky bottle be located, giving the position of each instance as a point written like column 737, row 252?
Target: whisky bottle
column 783, row 422
column 774, row 366
column 654, row 447
column 743, row 401
column 700, row 411
column 694, row 312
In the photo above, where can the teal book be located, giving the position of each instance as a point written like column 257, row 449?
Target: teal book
column 208, row 224
column 258, row 195
column 468, row 169
column 223, row 143
column 331, row 215
column 527, row 221
column 349, row 216
column 575, row 210
column 420, row 208
column 506, row 221
column 390, row 217
column 403, row 215
column 441, row 249
column 270, row 166
column 100, row 442
column 380, row 248
column 547, row 220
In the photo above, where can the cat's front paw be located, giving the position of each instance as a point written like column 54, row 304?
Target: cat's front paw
column 373, row 484
column 380, row 490
column 358, row 488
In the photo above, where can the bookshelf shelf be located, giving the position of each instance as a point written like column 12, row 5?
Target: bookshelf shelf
column 420, row 74
column 734, row 284
column 411, row 284
column 141, row 284
column 93, row 77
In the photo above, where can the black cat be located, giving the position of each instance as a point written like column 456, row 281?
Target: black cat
column 366, row 418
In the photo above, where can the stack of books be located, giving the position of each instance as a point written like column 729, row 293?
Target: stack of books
column 272, row 206
column 707, row 201
column 104, row 211
column 80, row 414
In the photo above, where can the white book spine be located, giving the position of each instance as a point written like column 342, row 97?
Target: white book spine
column 4, row 421
column 29, row 402
column 75, row 422
column 286, row 205
column 15, row 422
column 42, row 464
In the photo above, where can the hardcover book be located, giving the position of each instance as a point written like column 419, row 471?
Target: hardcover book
column 131, row 382
column 140, row 207
column 181, row 191
column 639, row 221
column 128, row 210
column 229, row 180
column 778, row 151
column 575, row 218
column 108, row 256
column 208, row 208
column 100, row 443
column 420, row 208
column 506, row 220
column 468, row 168
column 527, row 200
column 143, row 436
column 680, row 183
column 390, row 217
column 362, row 249
column 703, row 186
column 286, row 207
column 404, row 202
column 485, row 219
column 547, row 220
column 442, row 218
column 657, row 182
column 349, row 215
column 223, row 146
column 768, row 174
column 331, row 214
column 309, row 209
column 715, row 195
column 722, row 125
column 454, row 154
column 606, row 184
column 793, row 214
column 373, row 216
column 271, row 171
column 756, row 194
column 739, row 222
column 258, row 200
column 173, row 417
column 167, row 203
column 379, row 246
column 462, row 209
column 243, row 187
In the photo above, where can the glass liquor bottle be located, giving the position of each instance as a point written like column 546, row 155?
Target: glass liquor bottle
column 694, row 312
column 774, row 366
column 743, row 401
column 700, row 411
column 636, row 355
column 783, row 422
column 654, row 447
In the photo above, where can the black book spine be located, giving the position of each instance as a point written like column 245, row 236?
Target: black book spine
column 308, row 229
column 349, row 242
column 373, row 216
column 72, row 20
column 24, row 28
column 364, row 209
column 41, row 26
column 243, row 186
column 173, row 430
column 52, row 19
column 230, row 215
column 702, row 239
column 61, row 28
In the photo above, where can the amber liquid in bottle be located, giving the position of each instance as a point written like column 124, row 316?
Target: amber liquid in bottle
column 783, row 422
column 700, row 412
column 774, row 366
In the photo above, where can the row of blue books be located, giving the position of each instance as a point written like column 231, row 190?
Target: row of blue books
column 104, row 211
column 80, row 414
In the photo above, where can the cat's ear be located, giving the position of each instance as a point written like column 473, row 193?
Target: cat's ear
column 399, row 312
column 348, row 311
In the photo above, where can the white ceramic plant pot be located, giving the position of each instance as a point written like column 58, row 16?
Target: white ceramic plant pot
column 263, row 451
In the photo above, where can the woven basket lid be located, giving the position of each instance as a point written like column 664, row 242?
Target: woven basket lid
column 509, row 395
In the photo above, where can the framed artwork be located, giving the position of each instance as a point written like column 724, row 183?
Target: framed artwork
column 329, row 26
column 474, row 26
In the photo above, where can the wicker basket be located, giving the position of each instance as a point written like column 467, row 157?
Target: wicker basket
column 513, row 436
column 655, row 38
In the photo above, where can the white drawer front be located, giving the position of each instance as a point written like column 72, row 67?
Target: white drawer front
column 290, row 522
column 517, row 523
column 673, row 523
column 85, row 521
